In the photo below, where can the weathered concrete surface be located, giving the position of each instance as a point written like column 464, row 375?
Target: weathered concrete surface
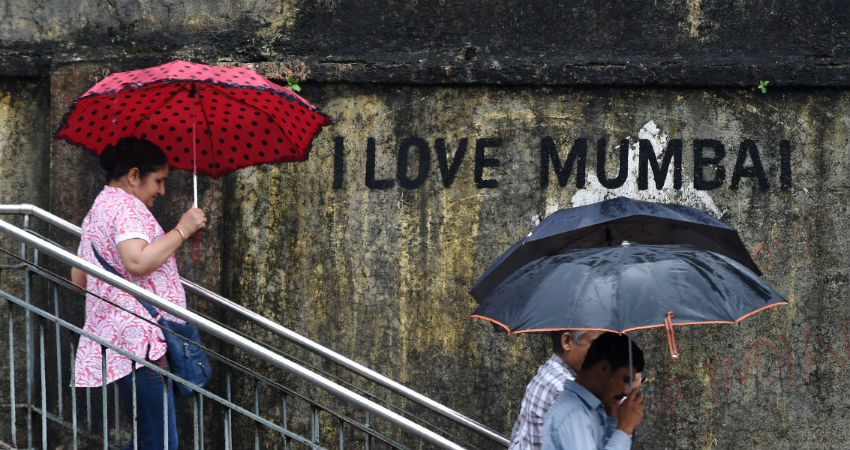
column 381, row 274
column 379, row 271
column 23, row 179
column 432, row 41
column 374, row 261
column 24, row 158
column 23, row 143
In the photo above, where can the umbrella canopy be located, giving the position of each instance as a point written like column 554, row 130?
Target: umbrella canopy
column 624, row 288
column 209, row 119
column 610, row 222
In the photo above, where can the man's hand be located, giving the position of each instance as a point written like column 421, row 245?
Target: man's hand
column 630, row 412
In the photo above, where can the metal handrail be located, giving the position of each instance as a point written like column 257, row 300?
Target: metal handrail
column 227, row 367
column 280, row 330
column 226, row 335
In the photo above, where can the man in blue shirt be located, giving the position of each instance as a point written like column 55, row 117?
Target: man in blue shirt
column 569, row 348
column 590, row 413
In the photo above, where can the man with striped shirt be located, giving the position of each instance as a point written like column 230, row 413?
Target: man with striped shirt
column 569, row 349
column 602, row 407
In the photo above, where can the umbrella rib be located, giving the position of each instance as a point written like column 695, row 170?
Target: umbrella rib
column 255, row 108
column 183, row 87
column 214, row 169
column 168, row 99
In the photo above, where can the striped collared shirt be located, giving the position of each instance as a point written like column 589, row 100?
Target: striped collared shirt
column 541, row 392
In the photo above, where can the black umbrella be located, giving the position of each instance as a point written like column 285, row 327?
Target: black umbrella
column 628, row 287
column 610, row 222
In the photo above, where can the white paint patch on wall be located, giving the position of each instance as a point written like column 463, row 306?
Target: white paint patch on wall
column 594, row 191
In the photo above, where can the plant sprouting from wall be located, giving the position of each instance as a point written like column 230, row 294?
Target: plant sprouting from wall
column 292, row 83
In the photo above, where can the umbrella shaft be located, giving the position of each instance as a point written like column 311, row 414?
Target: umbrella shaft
column 194, row 152
column 631, row 366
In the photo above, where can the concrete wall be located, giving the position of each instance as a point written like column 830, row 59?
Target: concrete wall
column 690, row 43
column 370, row 246
column 23, row 174
column 389, row 268
column 23, row 163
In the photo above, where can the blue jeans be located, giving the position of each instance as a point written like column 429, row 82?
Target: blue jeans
column 149, row 386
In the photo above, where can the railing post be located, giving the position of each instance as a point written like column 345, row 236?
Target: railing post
column 165, row 423
column 135, row 418
column 42, row 361
column 28, row 333
column 285, row 422
column 368, row 443
column 12, row 412
column 257, row 412
column 104, row 414
column 227, row 442
column 59, row 388
column 88, row 410
column 228, row 416
column 115, row 412
column 201, row 418
column 314, row 424
column 196, row 417
column 72, row 356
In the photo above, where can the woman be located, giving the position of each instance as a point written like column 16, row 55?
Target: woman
column 121, row 228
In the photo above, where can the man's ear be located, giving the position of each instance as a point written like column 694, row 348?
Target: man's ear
column 605, row 367
column 566, row 341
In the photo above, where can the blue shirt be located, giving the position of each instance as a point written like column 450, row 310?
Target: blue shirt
column 577, row 421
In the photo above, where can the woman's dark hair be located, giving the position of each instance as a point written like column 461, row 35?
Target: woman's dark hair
column 131, row 152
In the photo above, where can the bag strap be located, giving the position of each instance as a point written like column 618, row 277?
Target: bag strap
column 151, row 310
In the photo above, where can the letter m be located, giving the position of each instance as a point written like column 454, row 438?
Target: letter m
column 575, row 158
column 659, row 174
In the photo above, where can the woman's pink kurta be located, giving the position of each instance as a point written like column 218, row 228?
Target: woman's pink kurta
column 117, row 216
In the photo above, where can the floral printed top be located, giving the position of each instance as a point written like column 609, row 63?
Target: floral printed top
column 117, row 216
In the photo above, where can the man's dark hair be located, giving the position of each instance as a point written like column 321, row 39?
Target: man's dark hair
column 131, row 152
column 614, row 348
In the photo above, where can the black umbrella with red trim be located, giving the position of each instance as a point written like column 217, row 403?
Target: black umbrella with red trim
column 625, row 288
column 610, row 222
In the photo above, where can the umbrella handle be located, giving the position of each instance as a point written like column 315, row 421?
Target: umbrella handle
column 671, row 336
column 196, row 243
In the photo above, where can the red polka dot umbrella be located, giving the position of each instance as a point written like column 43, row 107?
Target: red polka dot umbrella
column 207, row 119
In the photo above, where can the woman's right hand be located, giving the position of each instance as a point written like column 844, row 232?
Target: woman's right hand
column 192, row 221
column 141, row 258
